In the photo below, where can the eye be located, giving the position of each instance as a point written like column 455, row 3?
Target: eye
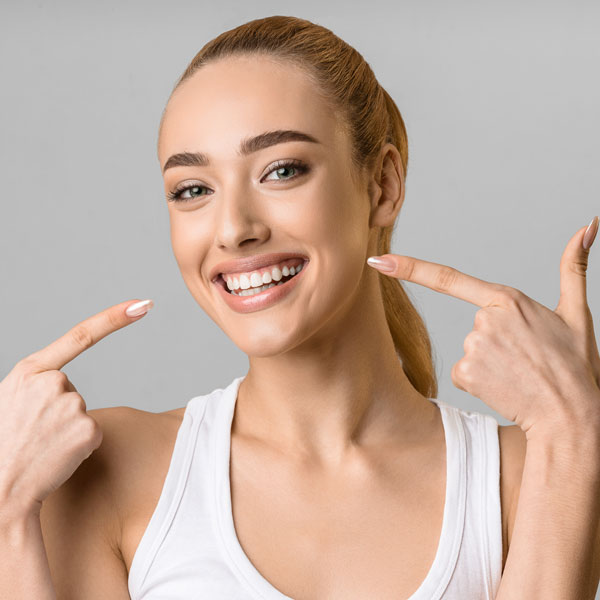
column 280, row 168
column 176, row 194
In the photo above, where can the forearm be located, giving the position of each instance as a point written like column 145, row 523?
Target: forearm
column 556, row 523
column 24, row 569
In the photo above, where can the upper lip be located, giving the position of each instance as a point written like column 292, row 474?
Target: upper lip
column 251, row 263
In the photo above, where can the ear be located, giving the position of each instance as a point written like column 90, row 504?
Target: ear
column 386, row 187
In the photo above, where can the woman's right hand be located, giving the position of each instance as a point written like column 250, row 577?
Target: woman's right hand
column 45, row 431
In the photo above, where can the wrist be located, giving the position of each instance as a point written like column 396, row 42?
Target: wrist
column 15, row 510
column 572, row 454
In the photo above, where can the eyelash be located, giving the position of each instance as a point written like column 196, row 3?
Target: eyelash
column 299, row 166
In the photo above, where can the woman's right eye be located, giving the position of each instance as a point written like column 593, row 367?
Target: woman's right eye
column 176, row 194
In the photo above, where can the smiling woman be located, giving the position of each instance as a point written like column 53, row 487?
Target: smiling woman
column 330, row 469
column 284, row 164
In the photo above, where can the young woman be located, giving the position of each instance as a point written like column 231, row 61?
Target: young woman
column 330, row 469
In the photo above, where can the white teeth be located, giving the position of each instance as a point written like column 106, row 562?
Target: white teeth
column 253, row 291
column 244, row 282
column 255, row 279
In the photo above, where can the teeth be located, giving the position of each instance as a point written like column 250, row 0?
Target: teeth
column 244, row 282
column 256, row 280
column 253, row 291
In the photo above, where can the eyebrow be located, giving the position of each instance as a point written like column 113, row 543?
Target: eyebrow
column 247, row 146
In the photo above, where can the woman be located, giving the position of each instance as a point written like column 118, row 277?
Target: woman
column 284, row 164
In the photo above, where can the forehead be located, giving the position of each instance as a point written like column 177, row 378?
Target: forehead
column 236, row 97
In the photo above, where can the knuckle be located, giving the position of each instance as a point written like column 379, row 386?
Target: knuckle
column 57, row 378
column 74, row 403
column 91, row 430
column 22, row 369
column 407, row 268
column 464, row 371
column 481, row 320
column 82, row 336
column 579, row 267
column 445, row 279
column 472, row 341
column 512, row 296
column 113, row 320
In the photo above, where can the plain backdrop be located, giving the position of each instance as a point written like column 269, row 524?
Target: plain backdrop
column 500, row 102
column 501, row 106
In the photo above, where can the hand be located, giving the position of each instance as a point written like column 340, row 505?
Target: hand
column 535, row 367
column 45, row 431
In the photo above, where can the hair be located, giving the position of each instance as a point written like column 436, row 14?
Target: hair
column 346, row 82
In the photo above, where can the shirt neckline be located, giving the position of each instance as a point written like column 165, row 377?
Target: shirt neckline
column 444, row 562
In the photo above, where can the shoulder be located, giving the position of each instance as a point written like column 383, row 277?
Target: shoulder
column 133, row 442
column 103, row 488
column 82, row 519
column 513, row 446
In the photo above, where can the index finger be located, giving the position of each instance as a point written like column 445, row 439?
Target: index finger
column 445, row 279
column 83, row 336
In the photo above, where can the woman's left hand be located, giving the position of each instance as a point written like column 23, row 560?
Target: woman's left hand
column 536, row 367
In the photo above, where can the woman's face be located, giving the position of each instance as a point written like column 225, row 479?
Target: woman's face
column 294, row 197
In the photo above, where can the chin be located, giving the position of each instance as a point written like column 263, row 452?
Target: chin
column 265, row 344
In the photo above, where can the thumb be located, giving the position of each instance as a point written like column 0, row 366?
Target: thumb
column 572, row 305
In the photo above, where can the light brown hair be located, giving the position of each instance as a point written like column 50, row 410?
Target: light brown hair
column 344, row 79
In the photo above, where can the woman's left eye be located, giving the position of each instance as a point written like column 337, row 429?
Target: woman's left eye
column 280, row 168
column 290, row 165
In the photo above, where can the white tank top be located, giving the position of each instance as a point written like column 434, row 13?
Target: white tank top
column 190, row 550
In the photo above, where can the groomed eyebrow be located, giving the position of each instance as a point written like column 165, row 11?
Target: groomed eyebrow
column 247, row 146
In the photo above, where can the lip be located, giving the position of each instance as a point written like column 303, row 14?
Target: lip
column 252, row 263
column 247, row 304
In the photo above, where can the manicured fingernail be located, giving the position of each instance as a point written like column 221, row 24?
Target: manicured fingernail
column 590, row 233
column 381, row 264
column 139, row 308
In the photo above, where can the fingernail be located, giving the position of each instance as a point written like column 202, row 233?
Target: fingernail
column 381, row 264
column 139, row 308
column 590, row 234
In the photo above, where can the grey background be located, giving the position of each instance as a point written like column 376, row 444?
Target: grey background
column 501, row 106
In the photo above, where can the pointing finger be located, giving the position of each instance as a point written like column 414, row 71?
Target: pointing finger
column 442, row 278
column 84, row 335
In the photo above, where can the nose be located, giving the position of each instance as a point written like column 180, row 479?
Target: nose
column 239, row 220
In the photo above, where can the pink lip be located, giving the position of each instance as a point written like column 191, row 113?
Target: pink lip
column 247, row 304
column 252, row 263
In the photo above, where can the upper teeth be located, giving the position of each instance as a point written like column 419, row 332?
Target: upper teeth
column 257, row 279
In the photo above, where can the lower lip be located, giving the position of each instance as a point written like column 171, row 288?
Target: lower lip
column 246, row 304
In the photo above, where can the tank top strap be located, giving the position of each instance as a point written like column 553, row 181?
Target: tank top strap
column 479, row 564
column 172, row 491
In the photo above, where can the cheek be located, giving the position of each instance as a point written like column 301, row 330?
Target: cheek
column 188, row 241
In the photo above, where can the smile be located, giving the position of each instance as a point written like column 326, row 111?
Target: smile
column 249, row 292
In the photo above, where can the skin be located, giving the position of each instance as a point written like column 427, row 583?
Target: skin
column 362, row 435
column 313, row 335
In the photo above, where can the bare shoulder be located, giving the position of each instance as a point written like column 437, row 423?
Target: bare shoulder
column 82, row 520
column 513, row 446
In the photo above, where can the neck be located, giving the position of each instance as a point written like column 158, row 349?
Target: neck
column 341, row 389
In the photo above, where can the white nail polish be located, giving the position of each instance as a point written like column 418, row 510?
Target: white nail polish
column 139, row 308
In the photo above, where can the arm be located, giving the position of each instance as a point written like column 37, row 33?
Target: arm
column 555, row 548
column 70, row 548
column 24, row 570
